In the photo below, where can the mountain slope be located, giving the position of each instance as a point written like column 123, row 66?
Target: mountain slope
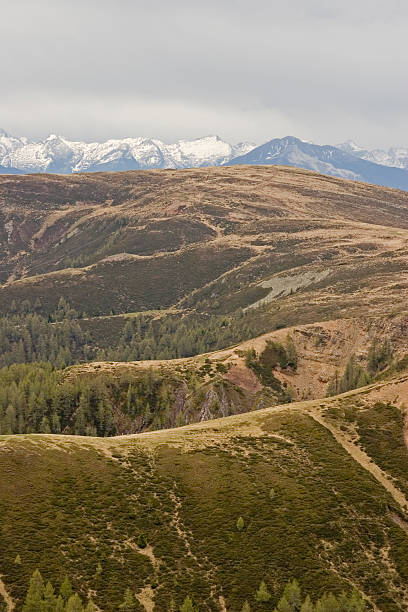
column 214, row 240
column 185, row 489
column 326, row 159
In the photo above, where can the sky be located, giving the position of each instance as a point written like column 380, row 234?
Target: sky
column 321, row 70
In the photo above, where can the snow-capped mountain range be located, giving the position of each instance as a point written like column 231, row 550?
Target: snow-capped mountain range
column 396, row 156
column 57, row 154
column 19, row 155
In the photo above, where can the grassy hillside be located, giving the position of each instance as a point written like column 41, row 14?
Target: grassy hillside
column 213, row 240
column 311, row 509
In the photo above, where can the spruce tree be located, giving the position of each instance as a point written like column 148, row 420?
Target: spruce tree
column 129, row 602
column 66, row 589
column 291, row 354
column 327, row 602
column 293, row 595
column 74, row 604
column 188, row 605
column 307, row 605
column 34, row 593
column 90, row 606
column 59, row 604
column 284, row 605
column 246, row 607
column 356, row 602
column 263, row 595
column 50, row 600
column 45, row 425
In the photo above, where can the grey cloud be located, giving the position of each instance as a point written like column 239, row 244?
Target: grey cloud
column 321, row 70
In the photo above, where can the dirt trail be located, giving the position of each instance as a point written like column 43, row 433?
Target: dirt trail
column 362, row 458
column 10, row 605
column 146, row 598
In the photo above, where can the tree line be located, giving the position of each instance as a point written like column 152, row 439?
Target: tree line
column 27, row 335
column 37, row 398
column 171, row 337
column 43, row 597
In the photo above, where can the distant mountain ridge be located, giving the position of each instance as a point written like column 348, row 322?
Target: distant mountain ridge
column 326, row 159
column 395, row 156
column 55, row 154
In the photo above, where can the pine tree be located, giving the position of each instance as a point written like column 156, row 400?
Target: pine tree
column 59, row 604
column 37, row 304
column 74, row 604
column 246, row 607
column 50, row 600
column 129, row 602
column 55, row 423
column 307, row 605
column 35, row 593
column 45, row 425
column 66, row 588
column 291, row 354
column 17, row 560
column 240, row 523
column 293, row 595
column 327, row 603
column 90, row 607
column 188, row 605
column 284, row 605
column 356, row 602
column 262, row 594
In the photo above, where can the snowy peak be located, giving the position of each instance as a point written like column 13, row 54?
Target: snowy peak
column 58, row 154
column 396, row 157
column 350, row 147
column 334, row 161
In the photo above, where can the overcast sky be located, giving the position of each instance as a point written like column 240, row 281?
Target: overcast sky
column 322, row 70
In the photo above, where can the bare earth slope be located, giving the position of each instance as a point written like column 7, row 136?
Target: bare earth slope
column 213, row 239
